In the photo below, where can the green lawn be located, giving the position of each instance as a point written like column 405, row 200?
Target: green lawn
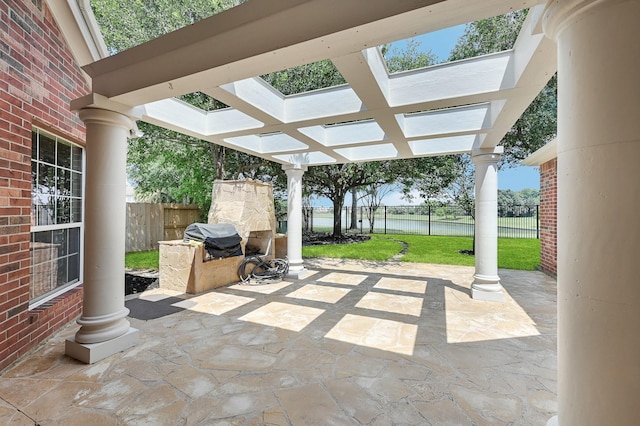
column 513, row 253
column 142, row 260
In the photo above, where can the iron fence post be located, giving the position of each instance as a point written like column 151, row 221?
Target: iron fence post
column 385, row 220
column 538, row 221
column 429, row 218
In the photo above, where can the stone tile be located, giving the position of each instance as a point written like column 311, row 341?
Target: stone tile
column 443, row 412
column 283, row 315
column 83, row 417
column 342, row 278
column 406, row 305
column 191, row 381
column 214, row 303
column 311, row 405
column 261, row 288
column 9, row 415
column 402, row 284
column 32, row 366
column 319, row 293
column 156, row 405
column 242, row 406
column 56, row 403
column 385, row 390
column 252, row 382
column 486, row 407
column 235, row 358
column 23, row 391
column 470, row 362
column 375, row 333
column 158, row 294
column 354, row 400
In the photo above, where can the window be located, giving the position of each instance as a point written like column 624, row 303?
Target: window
column 56, row 214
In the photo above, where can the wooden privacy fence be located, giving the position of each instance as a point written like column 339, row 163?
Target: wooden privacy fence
column 149, row 223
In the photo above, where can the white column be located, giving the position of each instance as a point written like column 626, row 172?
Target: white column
column 598, row 231
column 294, row 218
column 486, row 282
column 104, row 329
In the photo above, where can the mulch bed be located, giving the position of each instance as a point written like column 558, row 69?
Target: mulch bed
column 322, row 238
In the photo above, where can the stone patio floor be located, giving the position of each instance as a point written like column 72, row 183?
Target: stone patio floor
column 353, row 343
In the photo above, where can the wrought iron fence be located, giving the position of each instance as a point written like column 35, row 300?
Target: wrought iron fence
column 514, row 221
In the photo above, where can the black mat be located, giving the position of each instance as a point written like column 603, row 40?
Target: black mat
column 148, row 310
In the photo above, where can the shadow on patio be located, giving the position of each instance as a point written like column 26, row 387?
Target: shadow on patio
column 353, row 343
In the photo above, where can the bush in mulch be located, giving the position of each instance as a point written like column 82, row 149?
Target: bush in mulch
column 321, row 238
column 136, row 283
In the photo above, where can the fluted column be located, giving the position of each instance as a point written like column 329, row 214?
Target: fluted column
column 486, row 282
column 294, row 218
column 104, row 328
column 598, row 232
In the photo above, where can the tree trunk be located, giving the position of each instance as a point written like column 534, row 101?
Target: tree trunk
column 372, row 218
column 354, row 209
column 218, row 154
column 338, row 203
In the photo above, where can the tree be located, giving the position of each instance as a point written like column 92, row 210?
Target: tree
column 336, row 180
column 125, row 24
column 372, row 197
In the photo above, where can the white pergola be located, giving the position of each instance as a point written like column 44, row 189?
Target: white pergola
column 465, row 106
column 461, row 107
column 451, row 108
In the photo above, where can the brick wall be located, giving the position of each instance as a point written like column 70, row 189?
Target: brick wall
column 38, row 78
column 548, row 216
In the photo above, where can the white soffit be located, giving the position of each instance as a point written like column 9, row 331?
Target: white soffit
column 440, row 122
column 322, row 103
column 436, row 146
column 229, row 120
column 472, row 76
column 256, row 92
column 311, row 158
column 438, row 110
column 177, row 114
column 345, row 134
column 267, row 143
column 369, row 152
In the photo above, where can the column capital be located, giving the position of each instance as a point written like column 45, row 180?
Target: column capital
column 559, row 13
column 488, row 155
column 290, row 168
column 108, row 117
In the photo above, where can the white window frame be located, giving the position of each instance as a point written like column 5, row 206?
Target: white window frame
column 40, row 300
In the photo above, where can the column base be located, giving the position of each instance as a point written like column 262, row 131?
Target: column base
column 297, row 272
column 489, row 292
column 90, row 353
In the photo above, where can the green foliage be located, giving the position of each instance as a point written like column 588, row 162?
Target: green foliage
column 489, row 35
column 409, row 58
column 525, row 197
column 304, row 78
column 128, row 23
